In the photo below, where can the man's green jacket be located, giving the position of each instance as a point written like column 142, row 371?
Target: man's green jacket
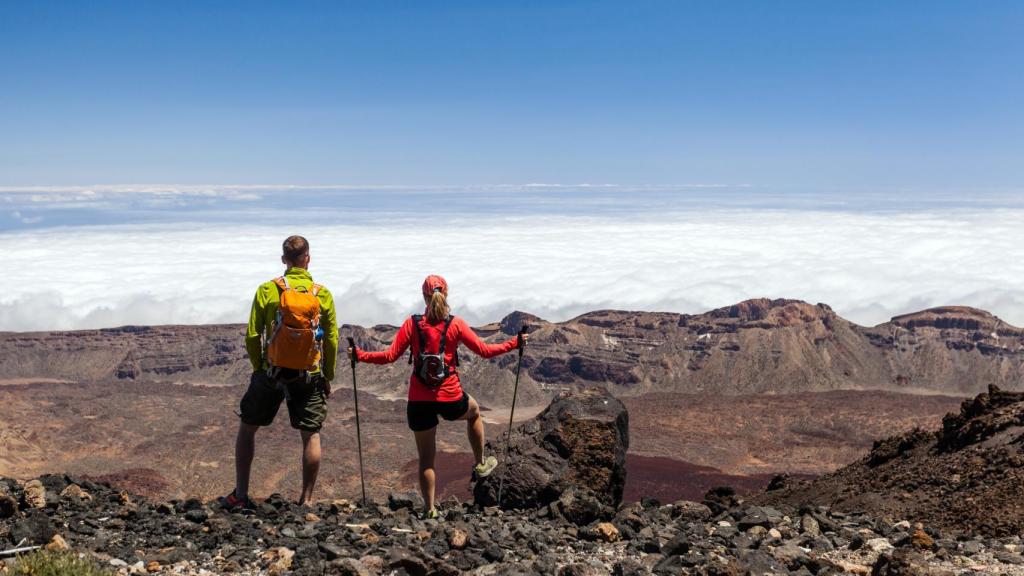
column 264, row 312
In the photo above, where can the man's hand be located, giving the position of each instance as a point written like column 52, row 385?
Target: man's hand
column 323, row 384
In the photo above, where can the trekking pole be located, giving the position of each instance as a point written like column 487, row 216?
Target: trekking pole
column 515, row 390
column 359, row 433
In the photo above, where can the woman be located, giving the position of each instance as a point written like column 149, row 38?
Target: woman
column 434, row 387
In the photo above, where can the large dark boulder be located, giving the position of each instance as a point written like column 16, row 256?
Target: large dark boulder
column 577, row 443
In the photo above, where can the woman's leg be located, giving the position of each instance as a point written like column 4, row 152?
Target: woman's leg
column 425, row 445
column 475, row 430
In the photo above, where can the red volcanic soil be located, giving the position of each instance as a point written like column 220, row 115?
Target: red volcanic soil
column 669, row 480
column 143, row 481
column 666, row 479
column 679, row 444
column 451, row 470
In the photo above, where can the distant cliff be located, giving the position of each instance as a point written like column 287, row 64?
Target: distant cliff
column 755, row 346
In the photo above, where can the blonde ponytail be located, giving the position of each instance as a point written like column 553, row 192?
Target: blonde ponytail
column 437, row 308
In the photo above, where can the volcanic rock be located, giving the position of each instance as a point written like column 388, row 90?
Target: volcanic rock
column 35, row 528
column 276, row 539
column 607, row 532
column 580, row 507
column 457, row 538
column 900, row 563
column 35, row 494
column 921, row 539
column 398, row 501
column 8, row 501
column 578, row 442
column 331, row 550
column 75, row 491
column 965, row 477
column 280, row 559
column 349, row 567
column 685, row 510
column 810, row 526
column 57, row 544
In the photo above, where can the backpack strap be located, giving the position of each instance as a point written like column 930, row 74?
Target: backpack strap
column 419, row 334
column 444, row 336
column 455, row 353
column 282, row 285
column 314, row 289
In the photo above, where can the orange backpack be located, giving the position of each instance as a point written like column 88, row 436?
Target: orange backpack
column 293, row 342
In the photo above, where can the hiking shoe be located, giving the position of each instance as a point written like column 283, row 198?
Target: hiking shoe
column 429, row 514
column 232, row 502
column 484, row 469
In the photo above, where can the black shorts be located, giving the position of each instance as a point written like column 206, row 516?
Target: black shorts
column 422, row 415
column 307, row 405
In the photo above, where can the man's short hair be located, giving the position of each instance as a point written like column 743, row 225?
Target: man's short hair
column 294, row 248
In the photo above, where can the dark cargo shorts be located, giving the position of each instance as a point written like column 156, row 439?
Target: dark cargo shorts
column 422, row 415
column 307, row 406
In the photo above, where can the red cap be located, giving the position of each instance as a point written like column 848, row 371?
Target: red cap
column 433, row 283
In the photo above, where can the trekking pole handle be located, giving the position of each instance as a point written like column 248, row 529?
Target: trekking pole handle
column 352, row 345
column 521, row 344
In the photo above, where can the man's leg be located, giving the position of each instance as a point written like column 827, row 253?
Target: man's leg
column 475, row 430
column 258, row 407
column 425, row 445
column 310, row 464
column 245, row 450
column 307, row 410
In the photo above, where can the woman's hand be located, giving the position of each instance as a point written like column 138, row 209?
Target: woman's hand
column 351, row 354
column 523, row 339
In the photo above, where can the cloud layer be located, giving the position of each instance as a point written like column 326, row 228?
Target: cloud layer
column 868, row 266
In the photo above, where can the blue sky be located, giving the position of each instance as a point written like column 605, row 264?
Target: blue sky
column 846, row 96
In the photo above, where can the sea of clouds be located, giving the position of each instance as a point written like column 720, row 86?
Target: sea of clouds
column 176, row 262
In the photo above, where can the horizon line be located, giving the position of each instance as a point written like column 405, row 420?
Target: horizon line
column 955, row 308
column 156, row 187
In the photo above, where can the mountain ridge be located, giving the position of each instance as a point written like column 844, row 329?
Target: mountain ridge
column 744, row 305
column 755, row 346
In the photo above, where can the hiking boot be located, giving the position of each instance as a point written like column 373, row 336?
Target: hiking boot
column 429, row 514
column 232, row 502
column 484, row 469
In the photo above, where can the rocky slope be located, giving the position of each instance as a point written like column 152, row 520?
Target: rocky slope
column 721, row 536
column 755, row 346
column 965, row 477
column 583, row 530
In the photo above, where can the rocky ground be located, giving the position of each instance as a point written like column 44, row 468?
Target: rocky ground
column 965, row 477
column 565, row 517
column 574, row 535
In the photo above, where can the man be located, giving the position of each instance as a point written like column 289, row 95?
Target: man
column 292, row 342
